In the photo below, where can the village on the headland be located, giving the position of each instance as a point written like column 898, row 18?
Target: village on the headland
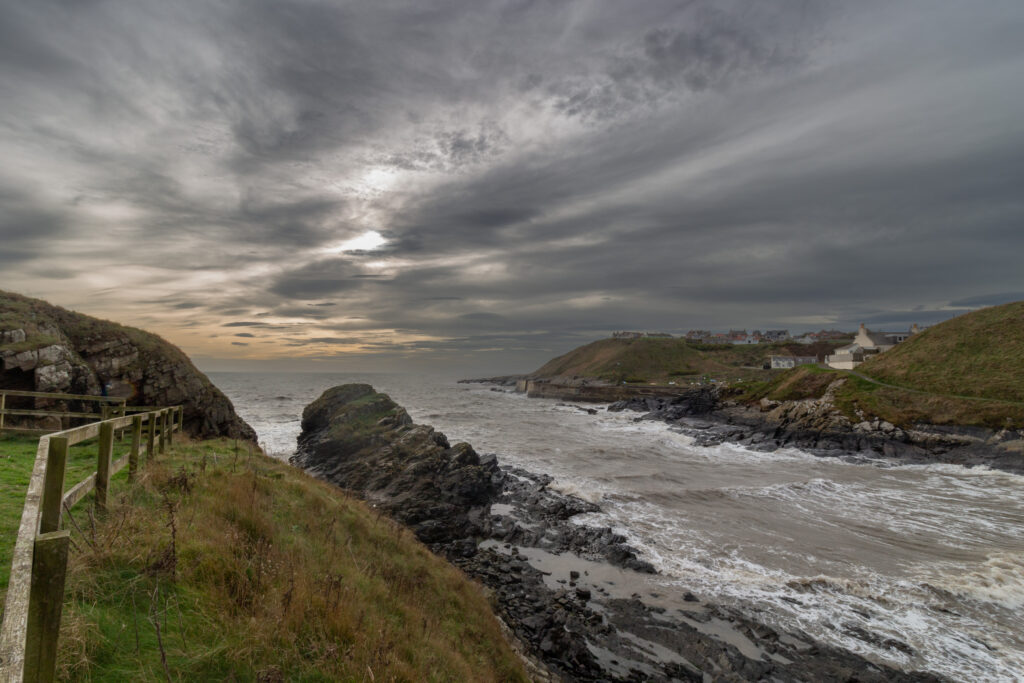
column 865, row 343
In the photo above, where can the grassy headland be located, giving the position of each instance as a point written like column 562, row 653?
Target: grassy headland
column 978, row 354
column 214, row 565
column 659, row 361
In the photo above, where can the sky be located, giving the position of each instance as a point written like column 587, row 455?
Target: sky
column 476, row 186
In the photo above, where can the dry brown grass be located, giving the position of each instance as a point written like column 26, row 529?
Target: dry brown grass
column 255, row 571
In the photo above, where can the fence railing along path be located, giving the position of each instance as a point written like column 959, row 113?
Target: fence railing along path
column 35, row 591
column 110, row 406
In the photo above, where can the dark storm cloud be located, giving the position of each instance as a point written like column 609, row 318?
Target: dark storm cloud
column 988, row 300
column 27, row 227
column 318, row 279
column 541, row 173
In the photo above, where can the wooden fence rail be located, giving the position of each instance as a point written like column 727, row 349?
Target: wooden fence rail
column 35, row 591
column 110, row 406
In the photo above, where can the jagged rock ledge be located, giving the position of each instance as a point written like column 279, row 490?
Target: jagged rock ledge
column 577, row 598
column 818, row 426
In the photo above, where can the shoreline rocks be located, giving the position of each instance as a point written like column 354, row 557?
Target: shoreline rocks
column 816, row 426
column 577, row 597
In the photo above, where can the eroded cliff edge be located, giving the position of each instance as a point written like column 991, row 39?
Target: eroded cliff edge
column 48, row 348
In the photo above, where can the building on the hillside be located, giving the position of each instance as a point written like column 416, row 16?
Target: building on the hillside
column 775, row 335
column 779, row 362
column 640, row 335
column 698, row 335
column 865, row 345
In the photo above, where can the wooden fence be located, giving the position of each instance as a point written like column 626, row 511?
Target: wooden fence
column 110, row 406
column 35, row 592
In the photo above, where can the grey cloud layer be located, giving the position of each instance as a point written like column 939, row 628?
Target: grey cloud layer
column 541, row 171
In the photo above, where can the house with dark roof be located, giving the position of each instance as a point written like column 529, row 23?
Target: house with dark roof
column 866, row 344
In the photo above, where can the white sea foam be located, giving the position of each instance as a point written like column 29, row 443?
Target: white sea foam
column 856, row 555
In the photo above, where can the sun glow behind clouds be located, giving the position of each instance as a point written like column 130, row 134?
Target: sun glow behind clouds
column 368, row 241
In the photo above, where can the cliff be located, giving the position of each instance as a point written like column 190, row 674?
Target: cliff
column 47, row 348
column 363, row 441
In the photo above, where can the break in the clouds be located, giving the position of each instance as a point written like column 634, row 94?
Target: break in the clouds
column 490, row 183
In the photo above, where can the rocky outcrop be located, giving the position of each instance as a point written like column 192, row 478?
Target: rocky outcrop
column 363, row 441
column 818, row 426
column 47, row 348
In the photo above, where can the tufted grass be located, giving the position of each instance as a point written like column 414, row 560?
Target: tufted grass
column 254, row 571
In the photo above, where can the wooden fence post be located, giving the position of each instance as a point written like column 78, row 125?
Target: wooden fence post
column 150, row 435
column 49, row 570
column 133, row 454
column 121, row 413
column 170, row 426
column 163, row 431
column 3, row 401
column 106, row 449
column 53, row 485
column 181, row 419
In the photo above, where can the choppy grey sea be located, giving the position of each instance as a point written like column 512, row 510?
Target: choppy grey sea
column 931, row 556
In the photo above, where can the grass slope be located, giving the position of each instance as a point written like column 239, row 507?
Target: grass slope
column 977, row 354
column 17, row 455
column 215, row 565
column 663, row 360
column 859, row 399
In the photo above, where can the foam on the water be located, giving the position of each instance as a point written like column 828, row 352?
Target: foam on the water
column 916, row 566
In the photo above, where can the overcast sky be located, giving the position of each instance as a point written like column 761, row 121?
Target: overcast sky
column 477, row 186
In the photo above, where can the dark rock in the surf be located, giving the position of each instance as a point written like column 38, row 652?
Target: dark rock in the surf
column 361, row 440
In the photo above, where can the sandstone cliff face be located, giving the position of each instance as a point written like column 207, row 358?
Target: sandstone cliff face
column 47, row 348
column 363, row 441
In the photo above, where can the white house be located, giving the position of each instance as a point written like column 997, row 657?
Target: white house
column 865, row 344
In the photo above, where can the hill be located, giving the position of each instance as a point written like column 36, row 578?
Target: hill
column 47, row 348
column 224, row 564
column 967, row 372
column 978, row 354
column 659, row 361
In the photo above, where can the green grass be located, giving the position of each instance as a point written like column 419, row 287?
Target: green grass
column 859, row 399
column 803, row 382
column 271, row 575
column 662, row 360
column 979, row 354
column 17, row 456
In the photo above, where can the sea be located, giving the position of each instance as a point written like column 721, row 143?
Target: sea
column 920, row 567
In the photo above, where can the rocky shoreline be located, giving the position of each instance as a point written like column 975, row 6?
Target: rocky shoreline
column 577, row 598
column 816, row 426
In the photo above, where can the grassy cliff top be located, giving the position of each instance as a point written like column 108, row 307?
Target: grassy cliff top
column 36, row 316
column 977, row 354
column 662, row 360
column 255, row 571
